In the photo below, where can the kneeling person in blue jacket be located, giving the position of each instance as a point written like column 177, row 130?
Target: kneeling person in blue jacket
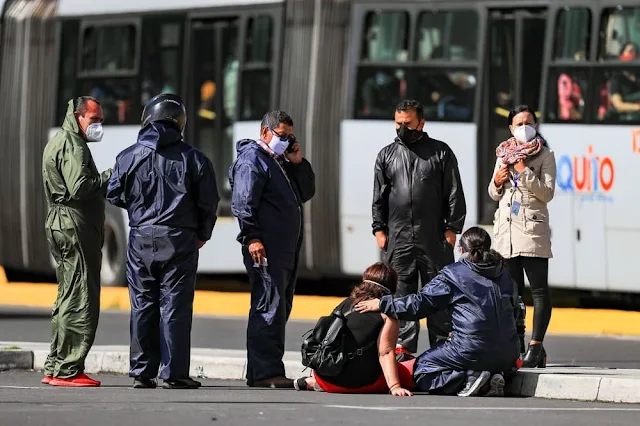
column 270, row 181
column 169, row 190
column 484, row 342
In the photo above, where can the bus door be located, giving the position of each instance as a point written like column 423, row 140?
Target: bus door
column 513, row 74
column 212, row 96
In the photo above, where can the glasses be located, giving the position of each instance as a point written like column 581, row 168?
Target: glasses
column 290, row 138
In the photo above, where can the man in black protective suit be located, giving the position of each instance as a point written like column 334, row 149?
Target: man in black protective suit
column 169, row 191
column 418, row 208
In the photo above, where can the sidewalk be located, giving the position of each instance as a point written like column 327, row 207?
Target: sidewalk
column 554, row 382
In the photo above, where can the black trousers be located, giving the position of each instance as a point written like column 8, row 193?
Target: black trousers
column 411, row 268
column 537, row 269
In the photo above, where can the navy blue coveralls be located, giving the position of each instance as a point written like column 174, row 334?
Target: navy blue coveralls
column 267, row 200
column 169, row 191
column 483, row 302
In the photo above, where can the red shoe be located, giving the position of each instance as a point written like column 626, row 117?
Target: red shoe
column 46, row 380
column 81, row 380
column 403, row 355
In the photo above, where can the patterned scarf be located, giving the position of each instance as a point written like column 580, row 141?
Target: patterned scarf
column 269, row 151
column 511, row 151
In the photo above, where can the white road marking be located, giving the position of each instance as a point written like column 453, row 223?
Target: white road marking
column 354, row 407
column 23, row 387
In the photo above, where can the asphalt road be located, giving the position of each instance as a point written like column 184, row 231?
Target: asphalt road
column 19, row 324
column 232, row 403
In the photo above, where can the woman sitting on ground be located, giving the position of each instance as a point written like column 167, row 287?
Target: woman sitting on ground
column 376, row 370
column 483, row 300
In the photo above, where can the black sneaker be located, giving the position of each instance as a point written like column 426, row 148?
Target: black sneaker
column 475, row 381
column 300, row 384
column 187, row 383
column 496, row 386
column 144, row 383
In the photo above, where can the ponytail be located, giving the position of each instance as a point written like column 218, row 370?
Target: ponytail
column 476, row 243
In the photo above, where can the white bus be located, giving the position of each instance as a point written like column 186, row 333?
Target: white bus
column 338, row 67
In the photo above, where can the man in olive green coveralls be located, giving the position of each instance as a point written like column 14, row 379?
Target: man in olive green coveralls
column 75, row 193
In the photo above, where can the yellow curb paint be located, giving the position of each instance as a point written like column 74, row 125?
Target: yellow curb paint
column 563, row 320
column 3, row 276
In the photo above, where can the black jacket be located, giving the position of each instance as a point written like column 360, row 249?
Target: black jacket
column 417, row 195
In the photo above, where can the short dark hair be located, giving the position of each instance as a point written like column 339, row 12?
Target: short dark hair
column 274, row 118
column 411, row 105
column 82, row 101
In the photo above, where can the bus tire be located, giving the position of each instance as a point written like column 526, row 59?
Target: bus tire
column 114, row 249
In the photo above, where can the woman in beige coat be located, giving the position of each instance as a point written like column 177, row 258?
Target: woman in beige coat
column 524, row 182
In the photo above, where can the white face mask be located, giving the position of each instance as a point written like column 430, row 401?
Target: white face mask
column 94, row 132
column 524, row 133
column 278, row 145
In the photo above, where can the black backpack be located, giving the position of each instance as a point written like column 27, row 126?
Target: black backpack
column 330, row 344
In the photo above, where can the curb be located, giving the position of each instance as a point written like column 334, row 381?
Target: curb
column 16, row 360
column 580, row 384
column 223, row 367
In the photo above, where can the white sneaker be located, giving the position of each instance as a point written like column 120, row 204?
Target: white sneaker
column 474, row 383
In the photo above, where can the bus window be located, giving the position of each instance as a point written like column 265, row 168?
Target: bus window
column 109, row 48
column 161, row 60
column 619, row 26
column 572, row 35
column 256, row 73
column 618, row 87
column 380, row 90
column 447, row 95
column 108, row 71
column 386, row 36
column 447, row 35
column 116, row 97
column 567, row 93
column 618, row 95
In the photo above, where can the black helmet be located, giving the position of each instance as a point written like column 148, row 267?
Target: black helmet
column 165, row 107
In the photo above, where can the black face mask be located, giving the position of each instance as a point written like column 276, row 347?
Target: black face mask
column 408, row 135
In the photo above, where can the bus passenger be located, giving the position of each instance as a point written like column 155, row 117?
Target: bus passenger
column 483, row 344
column 169, row 191
column 625, row 87
column 418, row 208
column 524, row 182
column 376, row 369
column 270, row 181
column 75, row 193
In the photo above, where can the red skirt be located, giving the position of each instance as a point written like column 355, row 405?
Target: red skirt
column 405, row 373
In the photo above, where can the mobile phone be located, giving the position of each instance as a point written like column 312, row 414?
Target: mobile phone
column 292, row 140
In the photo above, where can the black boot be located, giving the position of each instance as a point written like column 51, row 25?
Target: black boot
column 520, row 323
column 536, row 356
column 141, row 382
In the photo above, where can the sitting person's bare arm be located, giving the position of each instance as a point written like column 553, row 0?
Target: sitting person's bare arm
column 387, row 353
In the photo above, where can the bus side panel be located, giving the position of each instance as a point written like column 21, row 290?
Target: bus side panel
column 598, row 166
column 361, row 140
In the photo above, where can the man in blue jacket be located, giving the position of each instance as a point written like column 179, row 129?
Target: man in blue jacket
column 169, row 191
column 270, row 181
